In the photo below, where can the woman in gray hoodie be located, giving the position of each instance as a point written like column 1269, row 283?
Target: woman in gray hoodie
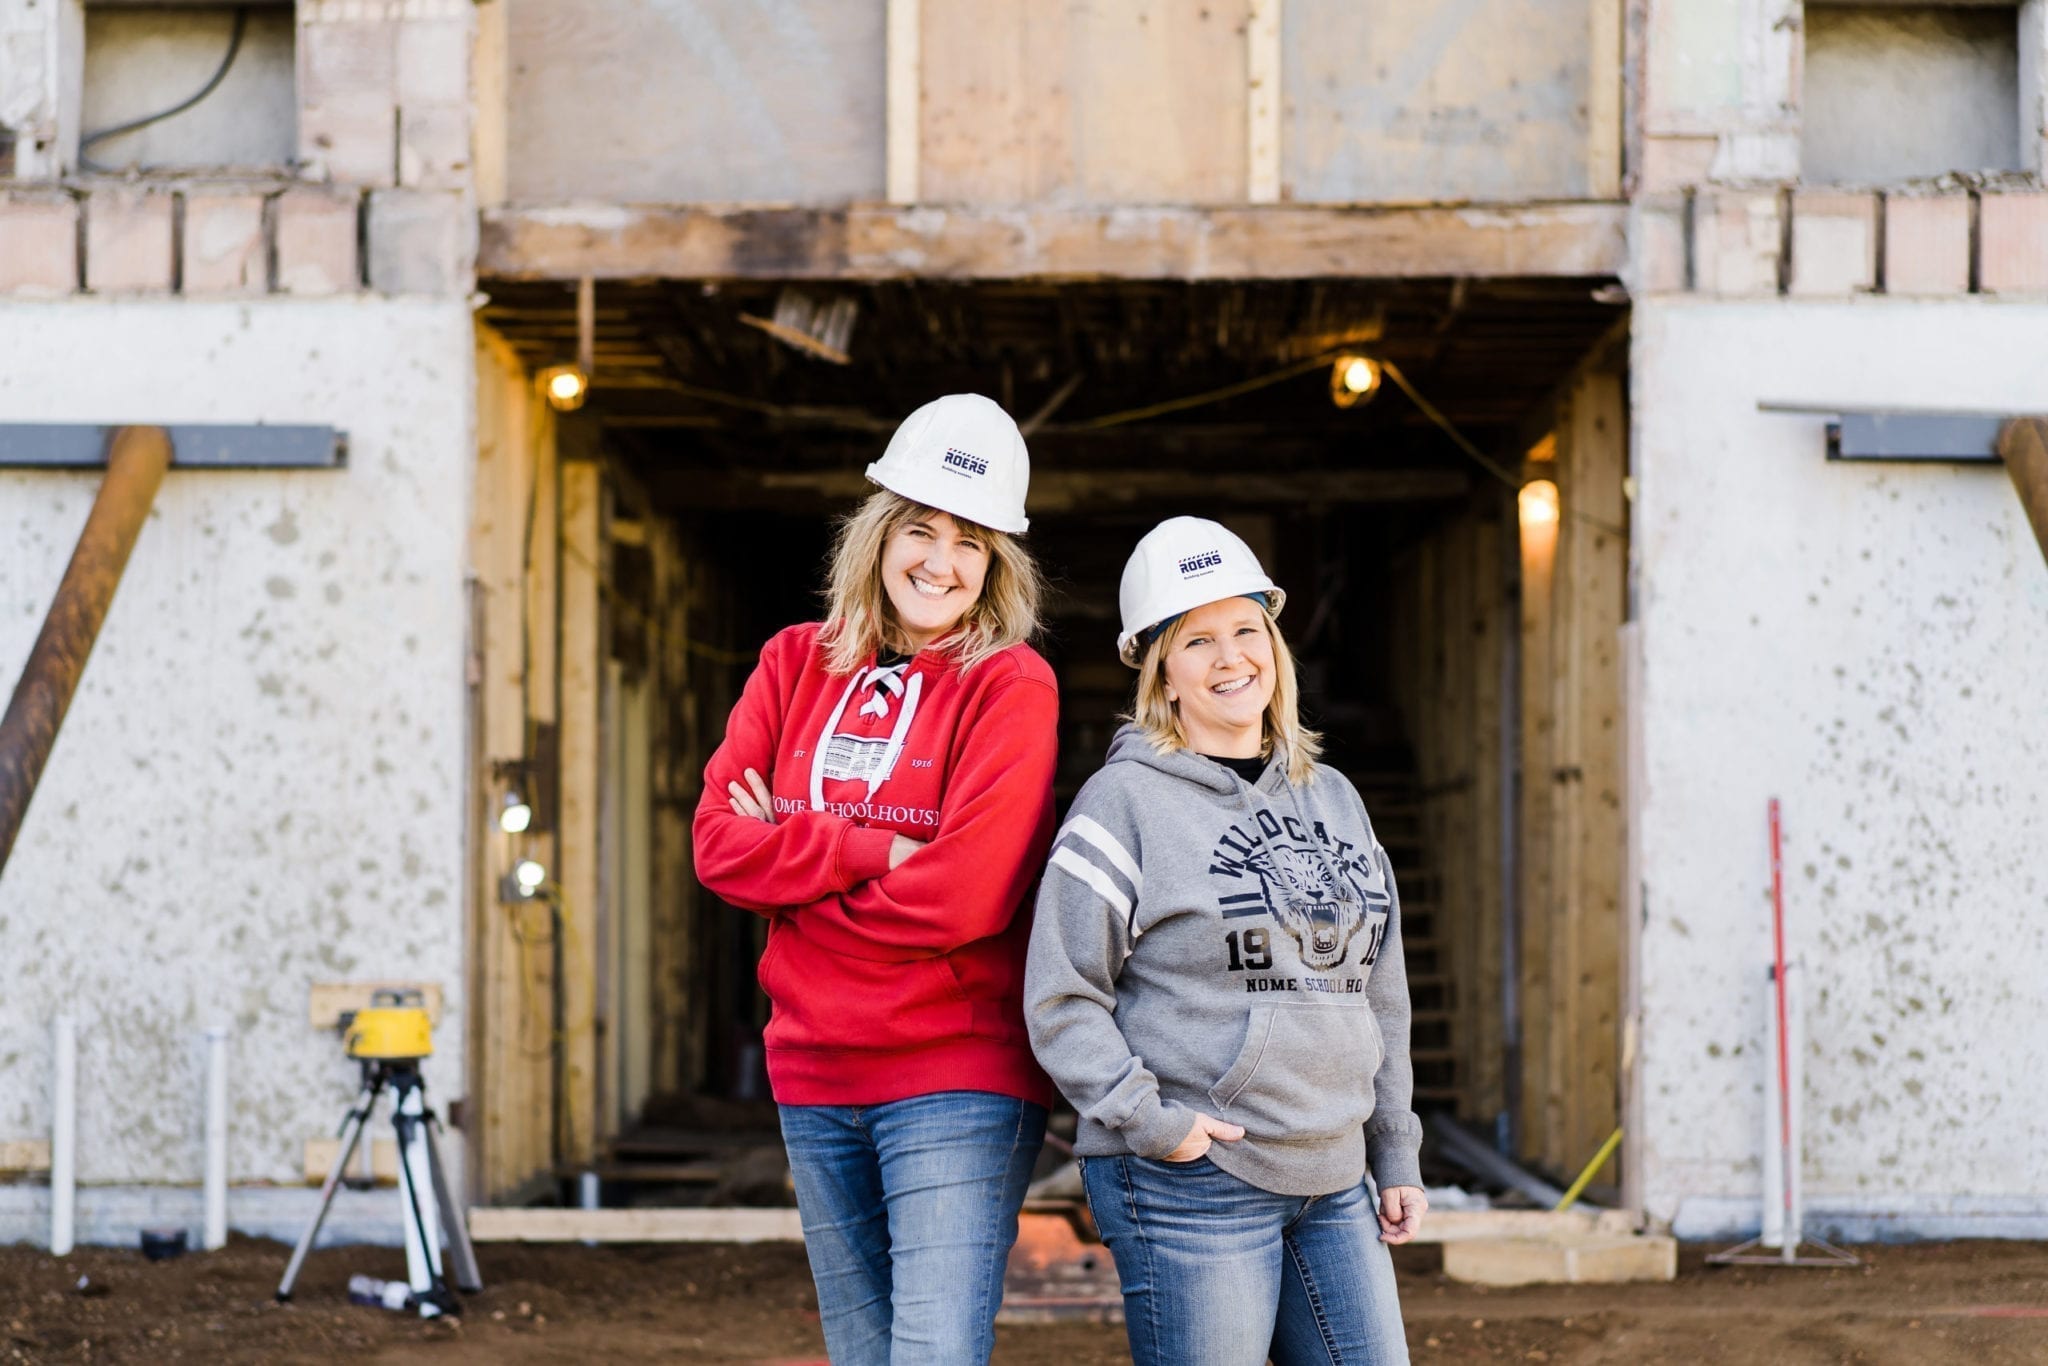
column 1215, row 983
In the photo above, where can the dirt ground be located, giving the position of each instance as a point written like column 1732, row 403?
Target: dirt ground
column 1982, row 1303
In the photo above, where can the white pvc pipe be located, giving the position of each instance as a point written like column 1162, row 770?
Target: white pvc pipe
column 63, row 1137
column 216, row 1137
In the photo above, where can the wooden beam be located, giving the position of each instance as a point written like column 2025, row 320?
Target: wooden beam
column 1062, row 490
column 879, row 241
column 493, row 1225
column 488, row 1225
column 25, row 1155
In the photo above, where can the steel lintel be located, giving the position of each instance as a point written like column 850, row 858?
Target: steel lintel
column 232, row 446
column 1907, row 436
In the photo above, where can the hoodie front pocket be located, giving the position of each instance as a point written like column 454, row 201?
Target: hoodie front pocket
column 1303, row 1072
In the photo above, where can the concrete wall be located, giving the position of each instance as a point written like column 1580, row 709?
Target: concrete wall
column 1941, row 85
column 261, row 782
column 1866, row 643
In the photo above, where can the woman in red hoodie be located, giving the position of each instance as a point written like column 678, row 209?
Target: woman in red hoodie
column 884, row 797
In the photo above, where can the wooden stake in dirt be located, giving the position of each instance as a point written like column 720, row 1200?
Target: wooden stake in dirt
column 1787, row 1231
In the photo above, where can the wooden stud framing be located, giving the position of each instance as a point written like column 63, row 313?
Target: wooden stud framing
column 1592, row 819
column 1262, row 103
column 1606, row 85
column 582, row 573
column 1573, row 771
column 510, row 1078
column 903, row 97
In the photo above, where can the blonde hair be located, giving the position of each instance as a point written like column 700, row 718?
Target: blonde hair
column 859, row 619
column 1159, row 718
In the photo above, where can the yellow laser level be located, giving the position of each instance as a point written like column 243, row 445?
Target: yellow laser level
column 387, row 1039
column 392, row 1027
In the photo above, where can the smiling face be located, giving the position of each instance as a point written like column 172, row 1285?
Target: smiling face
column 1220, row 677
column 932, row 569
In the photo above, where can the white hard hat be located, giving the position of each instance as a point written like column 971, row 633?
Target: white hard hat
column 960, row 454
column 1181, row 564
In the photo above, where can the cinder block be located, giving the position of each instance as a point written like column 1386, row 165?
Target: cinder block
column 1676, row 163
column 316, row 241
column 348, row 104
column 1834, row 243
column 1738, row 236
column 421, row 242
column 433, row 62
column 38, row 243
column 128, row 241
column 1530, row 1261
column 2012, row 243
column 225, row 248
column 433, row 146
column 1927, row 244
column 1657, row 240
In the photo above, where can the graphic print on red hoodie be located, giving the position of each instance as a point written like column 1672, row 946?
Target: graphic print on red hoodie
column 889, row 984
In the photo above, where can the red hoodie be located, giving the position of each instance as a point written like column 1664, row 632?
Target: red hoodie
column 889, row 984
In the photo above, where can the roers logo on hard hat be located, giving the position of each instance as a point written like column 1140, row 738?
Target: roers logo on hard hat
column 964, row 455
column 960, row 462
column 1179, row 565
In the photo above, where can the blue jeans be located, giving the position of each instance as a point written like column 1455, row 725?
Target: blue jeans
column 1217, row 1272
column 909, row 1211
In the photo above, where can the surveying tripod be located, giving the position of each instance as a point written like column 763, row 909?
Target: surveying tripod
column 389, row 1039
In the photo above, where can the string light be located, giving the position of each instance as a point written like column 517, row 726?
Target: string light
column 1353, row 380
column 1537, row 503
column 566, row 386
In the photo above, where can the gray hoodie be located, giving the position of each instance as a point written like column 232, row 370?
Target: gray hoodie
column 1203, row 943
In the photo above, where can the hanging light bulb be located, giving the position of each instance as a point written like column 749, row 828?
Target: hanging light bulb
column 529, row 874
column 517, row 813
column 566, row 386
column 1537, row 503
column 1353, row 379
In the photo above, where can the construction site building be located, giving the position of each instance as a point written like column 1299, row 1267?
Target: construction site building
column 1577, row 591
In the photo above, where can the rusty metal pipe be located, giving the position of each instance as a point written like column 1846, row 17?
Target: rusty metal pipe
column 2024, row 445
column 136, row 460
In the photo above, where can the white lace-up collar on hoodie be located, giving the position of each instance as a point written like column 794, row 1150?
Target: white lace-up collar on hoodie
column 886, row 680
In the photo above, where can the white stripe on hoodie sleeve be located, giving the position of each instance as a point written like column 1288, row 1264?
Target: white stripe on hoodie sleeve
column 1070, row 862
column 1119, row 857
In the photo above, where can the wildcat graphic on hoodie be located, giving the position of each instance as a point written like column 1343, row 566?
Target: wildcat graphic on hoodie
column 1207, row 944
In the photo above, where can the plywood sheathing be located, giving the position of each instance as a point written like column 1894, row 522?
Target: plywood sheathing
column 676, row 101
column 887, row 242
column 1490, row 101
column 1100, row 102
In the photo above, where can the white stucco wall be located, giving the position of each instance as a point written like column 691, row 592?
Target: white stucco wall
column 260, row 784
column 1868, row 643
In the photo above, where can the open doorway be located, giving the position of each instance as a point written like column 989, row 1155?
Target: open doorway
column 731, row 422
